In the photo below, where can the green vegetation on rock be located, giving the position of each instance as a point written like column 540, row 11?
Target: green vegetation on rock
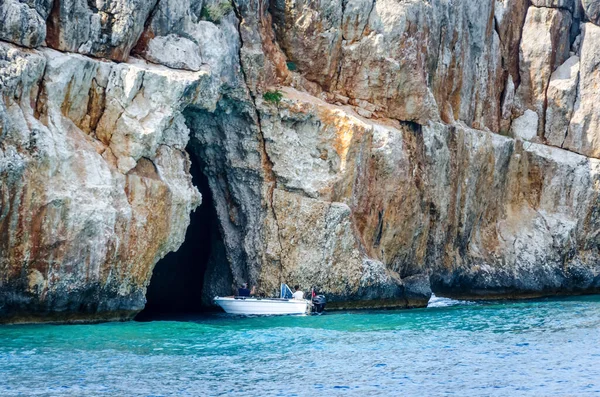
column 215, row 12
column 273, row 96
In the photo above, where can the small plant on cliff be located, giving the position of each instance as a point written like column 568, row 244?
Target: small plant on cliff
column 215, row 12
column 273, row 96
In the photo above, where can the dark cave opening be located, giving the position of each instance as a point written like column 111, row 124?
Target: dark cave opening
column 177, row 280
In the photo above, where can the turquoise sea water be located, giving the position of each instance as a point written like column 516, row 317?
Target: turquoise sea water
column 535, row 348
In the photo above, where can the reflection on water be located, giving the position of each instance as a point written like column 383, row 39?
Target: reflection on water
column 545, row 347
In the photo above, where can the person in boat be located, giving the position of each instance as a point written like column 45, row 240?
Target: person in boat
column 244, row 291
column 298, row 294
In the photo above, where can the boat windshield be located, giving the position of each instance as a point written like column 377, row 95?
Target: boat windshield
column 286, row 292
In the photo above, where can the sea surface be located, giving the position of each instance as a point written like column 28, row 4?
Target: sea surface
column 531, row 348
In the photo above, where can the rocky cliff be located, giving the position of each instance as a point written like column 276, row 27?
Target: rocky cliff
column 374, row 149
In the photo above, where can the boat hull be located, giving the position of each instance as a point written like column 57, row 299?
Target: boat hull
column 254, row 306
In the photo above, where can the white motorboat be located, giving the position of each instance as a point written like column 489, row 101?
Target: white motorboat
column 250, row 306
column 246, row 305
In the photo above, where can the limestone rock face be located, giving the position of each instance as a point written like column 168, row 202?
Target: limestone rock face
column 526, row 126
column 311, row 36
column 561, row 96
column 193, row 35
column 584, row 128
column 456, row 217
column 372, row 52
column 592, row 10
column 544, row 46
column 95, row 181
column 24, row 22
column 566, row 4
column 418, row 146
column 509, row 17
column 107, row 29
column 175, row 52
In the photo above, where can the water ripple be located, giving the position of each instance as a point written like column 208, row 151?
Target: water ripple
column 546, row 347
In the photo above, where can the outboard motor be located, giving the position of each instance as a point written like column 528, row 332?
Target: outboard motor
column 318, row 302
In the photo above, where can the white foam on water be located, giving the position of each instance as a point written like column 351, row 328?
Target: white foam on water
column 438, row 301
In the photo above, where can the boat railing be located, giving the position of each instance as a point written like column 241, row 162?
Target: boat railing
column 261, row 298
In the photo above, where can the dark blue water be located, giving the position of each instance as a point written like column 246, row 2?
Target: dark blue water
column 541, row 348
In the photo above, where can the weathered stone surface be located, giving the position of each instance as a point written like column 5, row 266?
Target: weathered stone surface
column 468, row 75
column 561, row 96
column 545, row 45
column 508, row 99
column 380, row 71
column 519, row 237
column 307, row 231
column 373, row 51
column 584, row 130
column 84, row 218
column 509, row 17
column 566, row 4
column 191, row 35
column 107, row 29
column 474, row 197
column 355, row 18
column 526, row 126
column 309, row 33
column 592, row 10
column 325, row 254
column 24, row 22
column 175, row 52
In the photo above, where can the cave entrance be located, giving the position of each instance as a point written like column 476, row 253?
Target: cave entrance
column 177, row 280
